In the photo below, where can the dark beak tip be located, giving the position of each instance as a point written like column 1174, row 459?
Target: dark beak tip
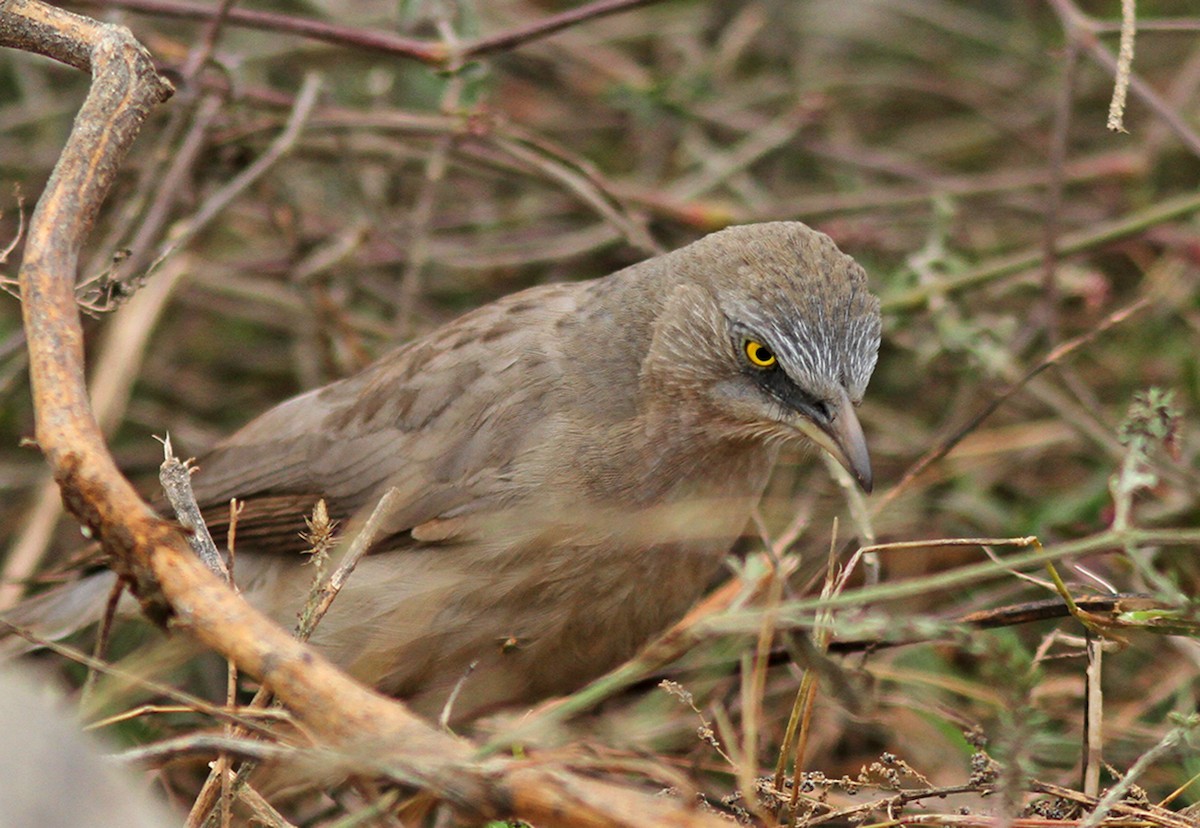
column 849, row 446
column 866, row 483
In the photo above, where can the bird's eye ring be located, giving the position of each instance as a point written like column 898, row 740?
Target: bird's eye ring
column 760, row 355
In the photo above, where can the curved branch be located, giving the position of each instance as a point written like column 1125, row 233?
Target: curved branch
column 151, row 554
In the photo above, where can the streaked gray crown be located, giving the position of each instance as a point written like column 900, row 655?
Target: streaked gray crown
column 789, row 286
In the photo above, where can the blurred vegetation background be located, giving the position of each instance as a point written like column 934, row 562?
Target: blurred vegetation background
column 304, row 202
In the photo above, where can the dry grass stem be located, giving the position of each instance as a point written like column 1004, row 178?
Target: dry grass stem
column 1116, row 109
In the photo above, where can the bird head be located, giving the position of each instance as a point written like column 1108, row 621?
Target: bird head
column 775, row 330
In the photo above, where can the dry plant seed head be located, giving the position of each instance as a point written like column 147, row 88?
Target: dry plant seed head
column 566, row 468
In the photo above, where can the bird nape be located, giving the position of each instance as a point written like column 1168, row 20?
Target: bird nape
column 568, row 465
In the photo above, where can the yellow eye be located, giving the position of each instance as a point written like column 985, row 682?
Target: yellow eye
column 759, row 354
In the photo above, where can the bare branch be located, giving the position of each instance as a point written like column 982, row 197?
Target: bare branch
column 431, row 53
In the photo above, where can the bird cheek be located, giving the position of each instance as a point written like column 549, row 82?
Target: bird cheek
column 742, row 403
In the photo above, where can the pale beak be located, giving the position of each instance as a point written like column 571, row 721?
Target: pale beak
column 842, row 437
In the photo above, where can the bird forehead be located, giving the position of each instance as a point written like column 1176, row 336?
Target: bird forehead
column 826, row 337
column 820, row 353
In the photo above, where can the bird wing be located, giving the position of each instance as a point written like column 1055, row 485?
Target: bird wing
column 442, row 421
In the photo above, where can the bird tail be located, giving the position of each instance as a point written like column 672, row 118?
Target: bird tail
column 56, row 613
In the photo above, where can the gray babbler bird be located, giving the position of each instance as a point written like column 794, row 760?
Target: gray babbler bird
column 570, row 465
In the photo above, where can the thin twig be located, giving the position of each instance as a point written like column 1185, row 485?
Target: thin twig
column 167, row 187
column 176, row 479
column 203, row 744
column 1084, row 28
column 373, row 40
column 194, row 703
column 1166, row 745
column 103, row 635
column 359, row 546
column 280, row 147
column 7, row 250
column 1116, row 109
column 420, row 223
column 550, row 25
column 1089, row 238
column 1054, row 191
column 1093, row 714
column 431, row 53
column 539, row 156
column 1056, row 355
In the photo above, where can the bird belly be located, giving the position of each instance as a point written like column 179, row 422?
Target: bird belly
column 529, row 602
column 525, row 626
